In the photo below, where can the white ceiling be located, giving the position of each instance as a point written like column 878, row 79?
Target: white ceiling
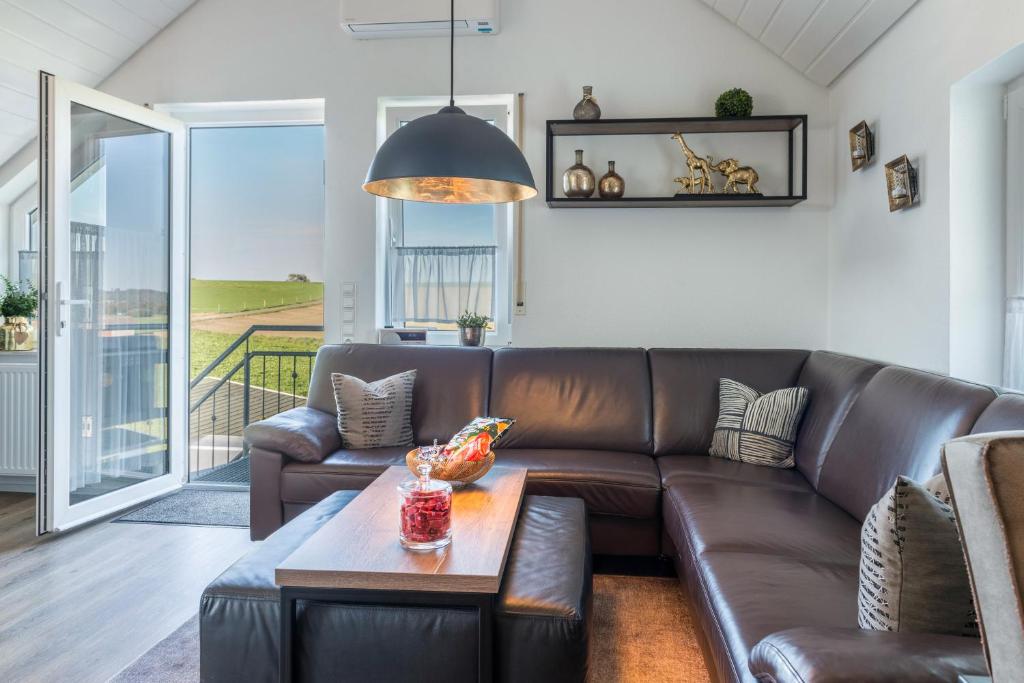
column 819, row 38
column 82, row 40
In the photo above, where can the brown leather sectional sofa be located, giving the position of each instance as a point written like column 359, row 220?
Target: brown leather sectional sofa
column 769, row 557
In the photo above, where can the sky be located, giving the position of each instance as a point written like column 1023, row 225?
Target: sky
column 257, row 198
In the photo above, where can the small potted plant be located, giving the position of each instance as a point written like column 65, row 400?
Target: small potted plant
column 472, row 328
column 18, row 306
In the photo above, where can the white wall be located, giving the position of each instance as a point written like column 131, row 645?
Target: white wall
column 890, row 292
column 703, row 277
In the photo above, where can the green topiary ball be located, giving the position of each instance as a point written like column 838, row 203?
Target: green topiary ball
column 735, row 103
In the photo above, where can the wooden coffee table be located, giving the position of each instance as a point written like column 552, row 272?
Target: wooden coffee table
column 356, row 558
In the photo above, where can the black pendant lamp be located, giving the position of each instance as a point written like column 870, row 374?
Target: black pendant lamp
column 450, row 157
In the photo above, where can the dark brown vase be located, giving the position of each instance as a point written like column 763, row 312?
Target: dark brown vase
column 587, row 109
column 612, row 186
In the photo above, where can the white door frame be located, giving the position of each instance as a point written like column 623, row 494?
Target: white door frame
column 55, row 513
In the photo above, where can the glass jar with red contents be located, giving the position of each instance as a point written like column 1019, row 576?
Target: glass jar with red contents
column 426, row 507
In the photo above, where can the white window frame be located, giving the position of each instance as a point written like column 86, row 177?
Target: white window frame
column 502, row 110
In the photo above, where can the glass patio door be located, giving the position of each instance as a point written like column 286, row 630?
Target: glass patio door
column 112, row 304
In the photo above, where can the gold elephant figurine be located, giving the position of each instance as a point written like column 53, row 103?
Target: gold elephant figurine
column 737, row 175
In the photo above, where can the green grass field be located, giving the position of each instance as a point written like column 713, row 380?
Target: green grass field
column 206, row 346
column 231, row 296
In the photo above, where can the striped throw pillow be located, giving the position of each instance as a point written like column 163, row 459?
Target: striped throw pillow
column 755, row 428
column 374, row 414
column 913, row 576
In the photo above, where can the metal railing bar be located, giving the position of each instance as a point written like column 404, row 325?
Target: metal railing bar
column 244, row 339
column 220, row 382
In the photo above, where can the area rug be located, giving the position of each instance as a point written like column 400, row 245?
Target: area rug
column 197, row 507
column 643, row 631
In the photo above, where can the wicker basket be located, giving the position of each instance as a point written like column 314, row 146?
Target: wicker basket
column 455, row 473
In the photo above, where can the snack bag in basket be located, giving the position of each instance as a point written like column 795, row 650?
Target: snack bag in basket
column 474, row 441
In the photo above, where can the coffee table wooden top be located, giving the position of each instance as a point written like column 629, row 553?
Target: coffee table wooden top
column 359, row 547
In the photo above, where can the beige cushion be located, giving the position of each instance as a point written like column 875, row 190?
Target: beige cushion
column 912, row 571
column 756, row 428
column 986, row 481
column 374, row 414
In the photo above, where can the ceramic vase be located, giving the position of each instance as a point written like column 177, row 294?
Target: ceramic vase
column 587, row 109
column 578, row 180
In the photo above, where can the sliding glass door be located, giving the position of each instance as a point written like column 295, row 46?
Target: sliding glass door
column 112, row 305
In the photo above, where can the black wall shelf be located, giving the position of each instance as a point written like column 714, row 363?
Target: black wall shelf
column 794, row 125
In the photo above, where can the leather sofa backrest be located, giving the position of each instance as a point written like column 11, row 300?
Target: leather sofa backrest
column 587, row 398
column 897, row 426
column 1005, row 414
column 685, row 386
column 834, row 381
column 452, row 383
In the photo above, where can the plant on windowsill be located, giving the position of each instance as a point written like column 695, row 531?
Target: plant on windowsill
column 472, row 328
column 18, row 305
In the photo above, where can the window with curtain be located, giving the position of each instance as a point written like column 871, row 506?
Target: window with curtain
column 444, row 259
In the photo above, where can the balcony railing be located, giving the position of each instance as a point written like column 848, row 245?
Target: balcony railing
column 260, row 384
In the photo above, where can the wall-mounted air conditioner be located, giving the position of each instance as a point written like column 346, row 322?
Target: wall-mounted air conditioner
column 367, row 19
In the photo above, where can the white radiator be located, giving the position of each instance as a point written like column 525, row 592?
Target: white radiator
column 19, row 418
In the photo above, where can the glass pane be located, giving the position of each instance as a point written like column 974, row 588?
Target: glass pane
column 119, row 292
column 447, row 225
column 257, row 220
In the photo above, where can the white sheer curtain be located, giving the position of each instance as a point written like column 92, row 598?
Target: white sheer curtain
column 1013, row 349
column 1013, row 359
column 436, row 284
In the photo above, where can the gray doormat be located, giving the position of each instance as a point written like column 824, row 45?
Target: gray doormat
column 236, row 472
column 196, row 507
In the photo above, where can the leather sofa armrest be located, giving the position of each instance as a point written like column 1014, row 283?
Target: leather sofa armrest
column 266, row 511
column 301, row 434
column 304, row 434
column 846, row 655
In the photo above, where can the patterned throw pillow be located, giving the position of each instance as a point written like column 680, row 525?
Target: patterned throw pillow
column 913, row 576
column 755, row 428
column 374, row 414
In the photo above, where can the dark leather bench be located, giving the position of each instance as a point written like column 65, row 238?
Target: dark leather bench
column 542, row 614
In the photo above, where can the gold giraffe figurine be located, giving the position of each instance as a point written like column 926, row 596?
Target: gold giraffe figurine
column 736, row 174
column 696, row 163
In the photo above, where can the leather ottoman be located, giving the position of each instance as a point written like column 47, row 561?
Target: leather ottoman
column 542, row 613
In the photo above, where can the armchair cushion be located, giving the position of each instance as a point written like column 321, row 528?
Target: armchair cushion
column 304, row 434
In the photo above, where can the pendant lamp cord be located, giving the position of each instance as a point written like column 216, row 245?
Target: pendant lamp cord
column 451, row 59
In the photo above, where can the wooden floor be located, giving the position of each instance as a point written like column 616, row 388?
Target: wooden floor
column 83, row 605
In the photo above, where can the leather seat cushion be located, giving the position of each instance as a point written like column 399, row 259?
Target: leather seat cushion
column 346, row 469
column 573, row 398
column 684, row 468
column 609, row 482
column 834, row 381
column 815, row 654
column 752, row 595
column 451, row 388
column 716, row 515
column 897, row 426
column 684, row 384
column 1004, row 414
